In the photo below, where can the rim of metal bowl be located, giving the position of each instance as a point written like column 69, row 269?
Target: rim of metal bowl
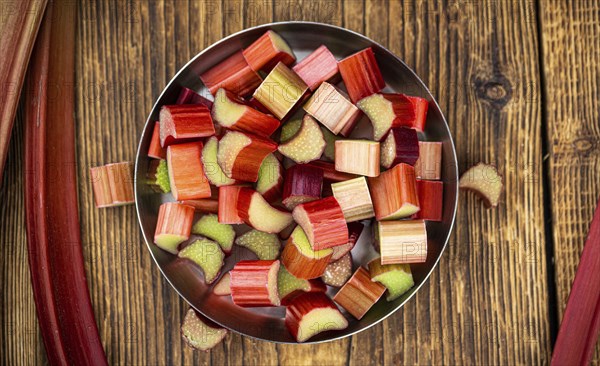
column 266, row 26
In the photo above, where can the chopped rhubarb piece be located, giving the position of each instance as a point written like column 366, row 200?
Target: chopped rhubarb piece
column 300, row 259
column 290, row 286
column 354, row 199
column 361, row 74
column 228, row 198
column 330, row 139
column 270, row 178
column 268, row 51
column 266, row 246
column 223, row 286
column 240, row 154
column 289, row 130
column 429, row 164
column 158, row 176
column 317, row 67
column 258, row 213
column 200, row 333
column 234, row 113
column 209, row 226
column 331, row 107
column 254, row 283
column 337, row 273
column 303, row 183
column 173, row 226
column 323, row 222
column 212, row 170
column 186, row 173
column 155, row 150
column 400, row 146
column 312, row 313
column 188, row 96
column 357, row 157
column 330, row 173
column 186, row 122
column 359, row 294
column 207, row 255
column 354, row 231
column 485, row 181
column 397, row 278
column 421, row 107
column 390, row 110
column 113, row 184
column 281, row 90
column 307, row 144
column 394, row 193
column 403, row 241
column 233, row 74
column 206, row 205
column 431, row 199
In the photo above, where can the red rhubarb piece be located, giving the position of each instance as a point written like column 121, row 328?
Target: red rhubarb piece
column 228, row 198
column 186, row 122
column 329, row 171
column 429, row 164
column 188, row 96
column 270, row 178
column 312, row 313
column 303, row 183
column 233, row 74
column 234, row 113
column 387, row 111
column 212, row 170
column 331, row 107
column 354, row 231
column 240, row 154
column 186, row 173
column 258, row 213
column 113, row 184
column 155, row 150
column 361, row 74
column 173, row 226
column 359, row 294
column 281, row 91
column 431, row 199
column 268, row 51
column 254, row 283
column 402, row 241
column 323, row 222
column 301, row 260
column 317, row 67
column 485, row 181
column 354, row 199
column 400, row 146
column 394, row 193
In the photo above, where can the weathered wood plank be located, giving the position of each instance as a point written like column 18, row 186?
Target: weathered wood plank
column 571, row 49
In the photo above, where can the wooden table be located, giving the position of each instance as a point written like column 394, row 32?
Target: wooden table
column 519, row 84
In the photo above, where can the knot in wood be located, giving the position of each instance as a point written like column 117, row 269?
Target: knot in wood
column 496, row 90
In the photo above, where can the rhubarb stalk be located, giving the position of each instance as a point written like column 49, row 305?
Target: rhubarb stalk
column 240, row 155
column 281, row 91
column 429, row 164
column 400, row 146
column 258, row 213
column 394, row 193
column 186, row 173
column 332, row 108
column 113, row 184
column 323, row 222
column 173, row 226
column 301, row 260
column 155, row 150
column 312, row 313
column 359, row 294
column 431, row 199
column 228, row 198
column 303, row 183
column 403, row 241
column 254, row 283
column 317, row 67
column 182, row 123
column 361, row 74
column 267, row 51
column 354, row 199
column 357, row 157
column 233, row 74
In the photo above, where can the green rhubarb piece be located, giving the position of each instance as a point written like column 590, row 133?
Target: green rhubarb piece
column 268, row 174
column 209, row 226
column 198, row 334
column 289, row 129
column 162, row 176
column 207, row 255
column 288, row 283
column 397, row 278
column 330, row 140
column 212, row 170
column 265, row 245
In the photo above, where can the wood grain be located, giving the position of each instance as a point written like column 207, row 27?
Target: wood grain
column 487, row 301
column 571, row 50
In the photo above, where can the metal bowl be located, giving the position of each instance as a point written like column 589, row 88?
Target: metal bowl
column 268, row 323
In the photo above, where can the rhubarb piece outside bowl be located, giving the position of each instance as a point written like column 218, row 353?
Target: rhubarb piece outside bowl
column 268, row 323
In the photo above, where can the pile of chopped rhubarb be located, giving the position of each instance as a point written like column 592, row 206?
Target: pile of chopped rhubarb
column 270, row 163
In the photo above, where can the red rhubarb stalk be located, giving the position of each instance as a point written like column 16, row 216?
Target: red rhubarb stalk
column 281, row 91
column 241, row 154
column 431, row 199
column 394, row 193
column 113, row 184
column 228, row 198
column 188, row 96
column 400, row 146
column 323, row 222
column 303, row 183
column 301, row 260
column 60, row 290
column 186, row 172
column 267, row 51
column 312, row 313
column 361, row 74
column 359, row 294
column 186, row 122
column 317, row 67
column 331, row 107
column 233, row 74
column 390, row 110
column 207, row 205
column 173, row 226
column 270, row 178
column 258, row 213
column 155, row 150
column 354, row 231
column 580, row 325
column 329, row 171
column 254, row 283
column 20, row 23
